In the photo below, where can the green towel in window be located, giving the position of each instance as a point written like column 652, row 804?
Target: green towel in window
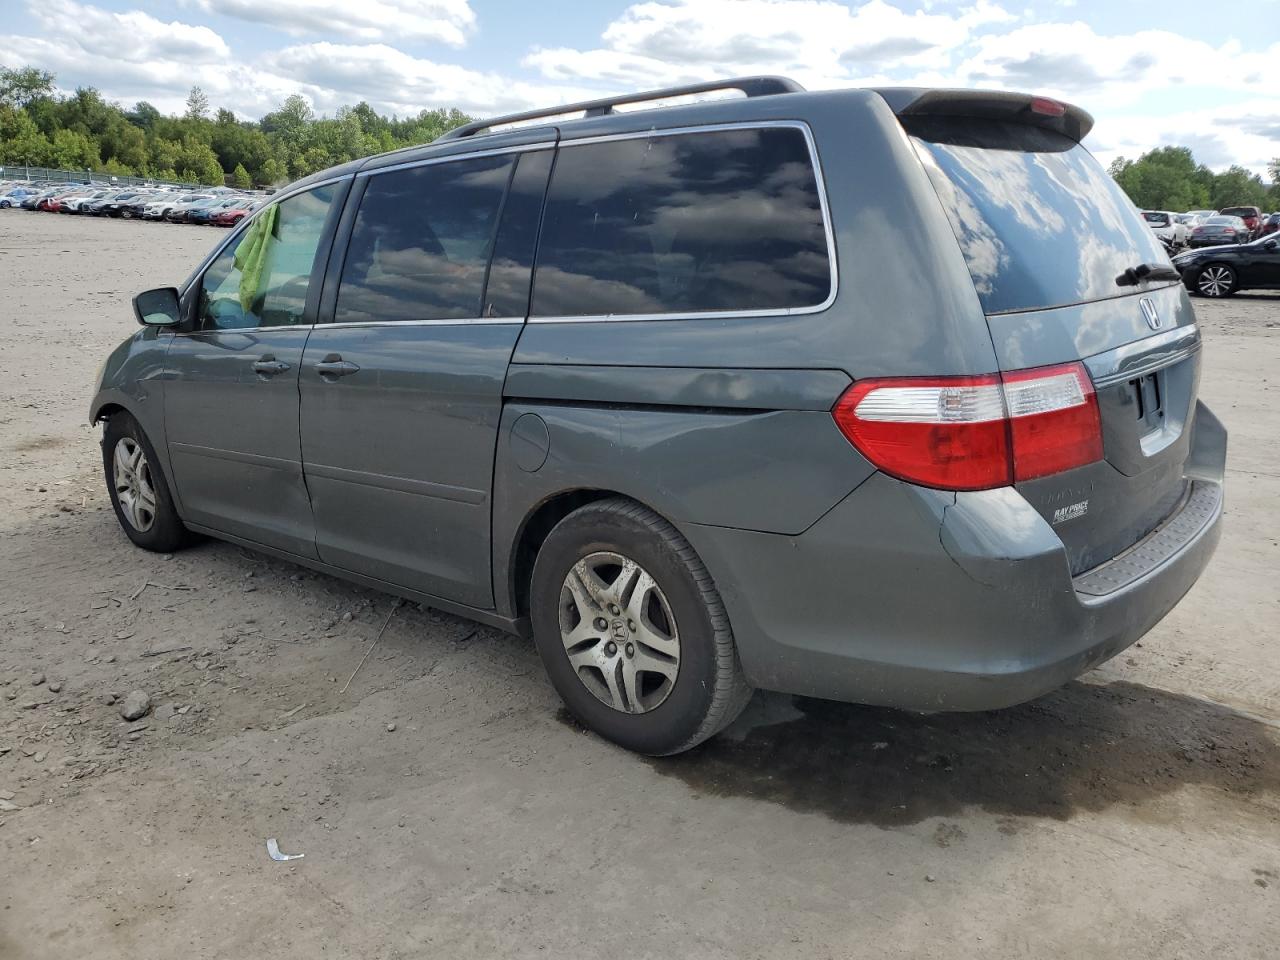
column 251, row 255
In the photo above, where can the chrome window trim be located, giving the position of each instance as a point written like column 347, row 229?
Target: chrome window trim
column 433, row 322
column 828, row 230
column 213, row 330
column 450, row 157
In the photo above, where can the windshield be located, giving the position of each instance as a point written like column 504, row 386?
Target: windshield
column 1239, row 212
column 1040, row 222
column 1230, row 221
column 1160, row 219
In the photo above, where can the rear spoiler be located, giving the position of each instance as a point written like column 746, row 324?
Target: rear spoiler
column 1064, row 118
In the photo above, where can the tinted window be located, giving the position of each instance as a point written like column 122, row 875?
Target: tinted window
column 421, row 242
column 725, row 220
column 261, row 280
column 507, row 294
column 1040, row 222
column 1159, row 219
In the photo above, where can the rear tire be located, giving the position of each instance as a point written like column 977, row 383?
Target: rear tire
column 632, row 631
column 1215, row 280
column 138, row 489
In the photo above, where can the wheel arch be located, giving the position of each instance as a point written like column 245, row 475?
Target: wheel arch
column 532, row 532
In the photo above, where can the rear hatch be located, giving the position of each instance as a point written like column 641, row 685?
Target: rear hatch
column 1047, row 234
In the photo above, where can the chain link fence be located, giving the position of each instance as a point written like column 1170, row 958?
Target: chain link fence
column 20, row 172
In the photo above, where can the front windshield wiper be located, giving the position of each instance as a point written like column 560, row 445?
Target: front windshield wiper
column 1144, row 272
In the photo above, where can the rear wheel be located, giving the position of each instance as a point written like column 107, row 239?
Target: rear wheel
column 632, row 631
column 139, row 493
column 1216, row 280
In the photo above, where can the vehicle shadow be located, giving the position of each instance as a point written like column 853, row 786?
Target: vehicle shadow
column 1085, row 747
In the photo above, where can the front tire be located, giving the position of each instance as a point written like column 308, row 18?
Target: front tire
column 1216, row 280
column 138, row 489
column 632, row 631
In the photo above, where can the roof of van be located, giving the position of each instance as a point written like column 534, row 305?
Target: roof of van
column 532, row 126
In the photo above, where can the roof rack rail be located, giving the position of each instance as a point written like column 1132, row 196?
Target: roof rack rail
column 750, row 86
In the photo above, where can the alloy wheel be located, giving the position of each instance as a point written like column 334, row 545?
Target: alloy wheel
column 134, row 489
column 619, row 632
column 1215, row 281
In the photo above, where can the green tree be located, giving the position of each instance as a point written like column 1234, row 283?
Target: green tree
column 143, row 115
column 240, row 178
column 273, row 173
column 20, row 86
column 21, row 141
column 72, row 150
column 197, row 104
column 1236, row 186
column 1167, row 178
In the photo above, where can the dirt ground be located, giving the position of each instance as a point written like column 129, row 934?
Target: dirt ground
column 447, row 809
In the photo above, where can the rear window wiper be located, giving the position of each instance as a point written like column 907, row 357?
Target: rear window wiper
column 1144, row 272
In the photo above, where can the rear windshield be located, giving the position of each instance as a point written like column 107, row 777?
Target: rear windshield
column 1040, row 222
column 1160, row 219
column 1239, row 212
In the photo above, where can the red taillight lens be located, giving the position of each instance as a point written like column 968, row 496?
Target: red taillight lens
column 1048, row 107
column 1053, row 420
column 974, row 433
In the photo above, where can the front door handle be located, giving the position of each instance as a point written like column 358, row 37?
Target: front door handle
column 333, row 366
column 269, row 366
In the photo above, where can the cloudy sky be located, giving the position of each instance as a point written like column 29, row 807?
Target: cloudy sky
column 1172, row 72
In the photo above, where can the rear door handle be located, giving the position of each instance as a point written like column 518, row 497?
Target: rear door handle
column 269, row 366
column 333, row 366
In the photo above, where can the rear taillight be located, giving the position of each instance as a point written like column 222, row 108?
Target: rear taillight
column 973, row 433
column 1048, row 107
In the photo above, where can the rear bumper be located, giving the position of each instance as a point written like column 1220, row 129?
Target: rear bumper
column 920, row 599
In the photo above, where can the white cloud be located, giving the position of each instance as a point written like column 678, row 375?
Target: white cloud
column 394, row 81
column 818, row 42
column 1072, row 60
column 447, row 21
column 132, row 37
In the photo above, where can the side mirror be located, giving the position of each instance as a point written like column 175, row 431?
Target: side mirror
column 158, row 307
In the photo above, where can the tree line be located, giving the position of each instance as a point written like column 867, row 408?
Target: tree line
column 1168, row 178
column 82, row 131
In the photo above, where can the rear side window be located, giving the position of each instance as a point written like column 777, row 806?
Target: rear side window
column 1041, row 224
column 726, row 220
column 420, row 245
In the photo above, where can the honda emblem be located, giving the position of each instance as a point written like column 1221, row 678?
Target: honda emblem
column 1149, row 311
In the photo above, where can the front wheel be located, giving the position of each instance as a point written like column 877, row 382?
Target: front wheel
column 139, row 493
column 632, row 630
column 1216, row 280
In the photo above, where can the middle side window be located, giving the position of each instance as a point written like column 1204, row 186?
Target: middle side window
column 421, row 242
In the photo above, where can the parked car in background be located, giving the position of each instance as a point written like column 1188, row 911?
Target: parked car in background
column 1271, row 224
column 74, row 203
column 160, row 206
column 180, row 212
column 1251, row 216
column 1224, row 270
column 1165, row 225
column 237, row 212
column 133, row 208
column 961, row 510
column 15, row 197
column 1218, row 230
column 204, row 213
column 120, row 205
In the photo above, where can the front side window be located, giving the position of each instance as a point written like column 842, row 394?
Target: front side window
column 421, row 241
column 262, row 279
column 726, row 220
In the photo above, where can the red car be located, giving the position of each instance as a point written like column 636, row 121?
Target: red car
column 233, row 215
column 1251, row 216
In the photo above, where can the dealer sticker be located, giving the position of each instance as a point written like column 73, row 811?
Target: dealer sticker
column 1063, row 514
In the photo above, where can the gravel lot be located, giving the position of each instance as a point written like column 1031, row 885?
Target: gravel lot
column 445, row 807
